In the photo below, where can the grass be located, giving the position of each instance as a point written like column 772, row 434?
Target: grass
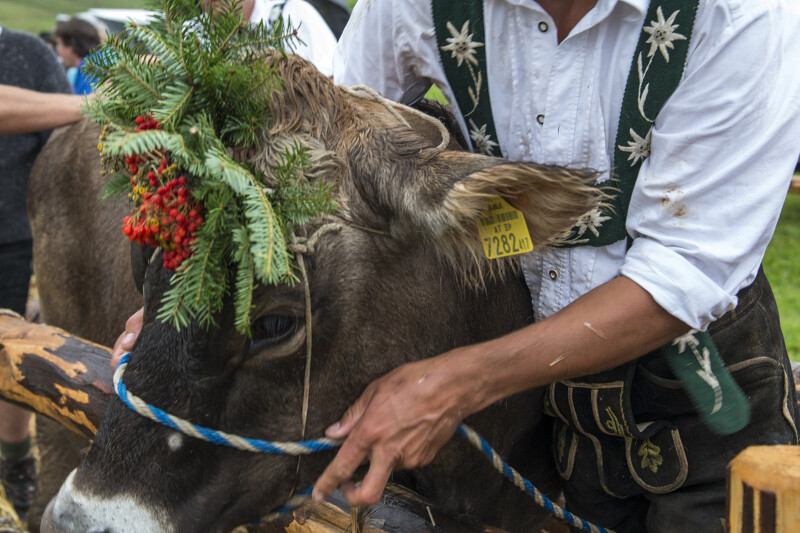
column 782, row 266
column 40, row 15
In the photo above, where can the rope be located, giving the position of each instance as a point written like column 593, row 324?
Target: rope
column 316, row 445
column 210, row 435
column 524, row 485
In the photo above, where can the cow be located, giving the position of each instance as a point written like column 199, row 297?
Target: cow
column 396, row 275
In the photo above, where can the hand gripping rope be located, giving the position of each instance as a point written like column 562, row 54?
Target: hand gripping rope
column 317, row 445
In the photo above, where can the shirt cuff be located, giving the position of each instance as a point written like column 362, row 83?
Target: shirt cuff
column 676, row 284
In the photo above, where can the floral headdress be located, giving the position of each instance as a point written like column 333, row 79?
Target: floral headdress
column 176, row 97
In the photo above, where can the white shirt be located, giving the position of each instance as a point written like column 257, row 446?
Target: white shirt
column 316, row 40
column 723, row 148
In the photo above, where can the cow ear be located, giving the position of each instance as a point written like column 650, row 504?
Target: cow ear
column 551, row 198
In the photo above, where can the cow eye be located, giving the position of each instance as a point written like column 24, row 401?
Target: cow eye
column 272, row 330
column 277, row 334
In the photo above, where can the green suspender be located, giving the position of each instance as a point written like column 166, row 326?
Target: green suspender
column 655, row 72
column 461, row 38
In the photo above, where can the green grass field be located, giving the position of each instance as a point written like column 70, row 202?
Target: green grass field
column 782, row 266
column 40, row 15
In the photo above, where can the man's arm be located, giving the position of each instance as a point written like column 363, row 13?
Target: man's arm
column 404, row 418
column 25, row 111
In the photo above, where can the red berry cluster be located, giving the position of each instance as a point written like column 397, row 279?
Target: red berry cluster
column 146, row 122
column 167, row 215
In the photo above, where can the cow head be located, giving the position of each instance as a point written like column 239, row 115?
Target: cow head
column 397, row 275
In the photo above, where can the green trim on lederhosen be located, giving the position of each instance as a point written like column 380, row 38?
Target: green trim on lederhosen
column 461, row 38
column 655, row 72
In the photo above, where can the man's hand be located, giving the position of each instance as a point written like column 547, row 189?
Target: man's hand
column 400, row 421
column 127, row 338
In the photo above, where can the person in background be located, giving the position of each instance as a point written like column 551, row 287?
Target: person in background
column 76, row 39
column 316, row 42
column 30, row 111
column 26, row 62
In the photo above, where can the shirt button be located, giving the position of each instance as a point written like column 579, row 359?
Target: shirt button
column 540, row 118
column 553, row 274
column 543, row 27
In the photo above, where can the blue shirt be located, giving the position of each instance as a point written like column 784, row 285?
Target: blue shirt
column 83, row 82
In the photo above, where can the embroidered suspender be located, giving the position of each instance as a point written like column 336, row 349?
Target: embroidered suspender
column 655, row 72
column 460, row 35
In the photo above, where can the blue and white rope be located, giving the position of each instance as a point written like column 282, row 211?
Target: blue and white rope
column 524, row 485
column 311, row 446
column 210, row 435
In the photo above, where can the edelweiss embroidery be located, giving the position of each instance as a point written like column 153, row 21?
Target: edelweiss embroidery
column 639, row 147
column 462, row 49
column 460, row 45
column 662, row 33
column 591, row 221
column 483, row 141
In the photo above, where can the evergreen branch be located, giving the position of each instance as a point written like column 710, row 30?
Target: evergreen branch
column 240, row 25
column 167, row 56
column 184, row 102
column 203, row 270
column 266, row 243
column 209, row 91
column 173, row 310
column 141, row 82
column 245, row 282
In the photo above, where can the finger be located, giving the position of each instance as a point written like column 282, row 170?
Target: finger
column 371, row 489
column 126, row 340
column 341, row 469
column 342, row 428
column 118, row 351
column 134, row 324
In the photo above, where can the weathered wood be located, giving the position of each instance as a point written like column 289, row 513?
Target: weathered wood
column 764, row 490
column 53, row 373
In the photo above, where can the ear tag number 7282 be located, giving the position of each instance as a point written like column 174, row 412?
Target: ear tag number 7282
column 502, row 230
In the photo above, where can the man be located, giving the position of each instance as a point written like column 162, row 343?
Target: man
column 76, row 39
column 712, row 164
column 27, row 63
column 315, row 40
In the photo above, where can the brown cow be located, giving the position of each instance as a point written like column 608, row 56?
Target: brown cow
column 397, row 275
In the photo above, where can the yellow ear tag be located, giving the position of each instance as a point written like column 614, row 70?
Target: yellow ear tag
column 503, row 230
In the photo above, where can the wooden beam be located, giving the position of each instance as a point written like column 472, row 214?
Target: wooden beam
column 53, row 373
